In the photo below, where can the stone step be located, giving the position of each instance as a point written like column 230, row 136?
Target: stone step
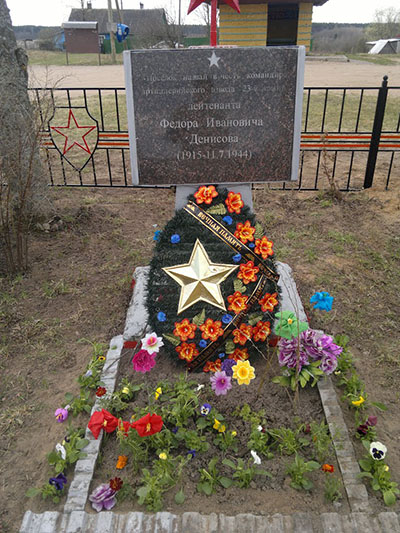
column 109, row 522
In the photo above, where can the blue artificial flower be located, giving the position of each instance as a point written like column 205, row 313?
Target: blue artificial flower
column 192, row 453
column 202, row 343
column 322, row 300
column 175, row 430
column 221, row 355
column 228, row 220
column 236, row 258
column 157, row 235
column 175, row 238
column 205, row 409
column 227, row 366
column 251, row 245
column 161, row 317
column 58, row 481
column 226, row 318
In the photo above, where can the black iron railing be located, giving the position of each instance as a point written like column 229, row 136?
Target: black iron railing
column 349, row 133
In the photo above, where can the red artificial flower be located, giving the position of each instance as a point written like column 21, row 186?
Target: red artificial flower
column 237, row 302
column 187, row 351
column 243, row 334
column 205, row 194
column 239, row 355
column 124, row 426
column 234, row 202
column 100, row 391
column 148, row 425
column 211, row 330
column 248, row 272
column 268, row 302
column 264, row 247
column 116, row 483
column 130, row 344
column 213, row 366
column 273, row 340
column 102, row 420
column 184, row 330
column 261, row 331
column 133, row 283
column 328, row 468
column 245, row 232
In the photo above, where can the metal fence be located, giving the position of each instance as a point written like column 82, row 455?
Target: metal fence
column 349, row 134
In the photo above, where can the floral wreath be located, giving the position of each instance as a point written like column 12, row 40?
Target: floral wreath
column 188, row 334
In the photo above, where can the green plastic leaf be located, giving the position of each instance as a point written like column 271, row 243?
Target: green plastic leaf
column 288, row 325
column 259, row 231
column 253, row 319
column 200, row 318
column 284, row 381
column 179, row 497
column 218, row 209
column 229, row 347
column 389, row 498
column 239, row 286
column 172, row 339
column 225, row 482
column 303, row 381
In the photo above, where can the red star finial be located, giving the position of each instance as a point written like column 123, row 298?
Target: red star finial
column 72, row 130
column 234, row 4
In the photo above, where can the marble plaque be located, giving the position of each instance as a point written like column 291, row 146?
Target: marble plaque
column 214, row 115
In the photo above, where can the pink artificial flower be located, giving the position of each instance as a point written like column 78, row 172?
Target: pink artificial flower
column 220, row 383
column 143, row 361
column 152, row 343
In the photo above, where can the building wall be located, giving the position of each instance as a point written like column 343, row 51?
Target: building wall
column 249, row 28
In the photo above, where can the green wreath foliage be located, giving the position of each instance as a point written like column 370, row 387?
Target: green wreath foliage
column 164, row 292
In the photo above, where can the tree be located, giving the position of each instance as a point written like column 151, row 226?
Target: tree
column 22, row 182
column 386, row 24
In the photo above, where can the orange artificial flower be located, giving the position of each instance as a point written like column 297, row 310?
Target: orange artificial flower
column 121, row 463
column 234, row 202
column 245, row 232
column 248, row 272
column 268, row 302
column 238, row 302
column 211, row 330
column 264, row 247
column 239, row 355
column 184, row 330
column 242, row 335
column 328, row 468
column 205, row 194
column 213, row 366
column 261, row 331
column 187, row 351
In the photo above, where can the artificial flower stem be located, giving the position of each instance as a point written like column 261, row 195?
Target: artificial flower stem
column 267, row 366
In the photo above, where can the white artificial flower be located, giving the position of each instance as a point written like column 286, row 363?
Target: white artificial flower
column 61, row 450
column 151, row 343
column 377, row 450
column 257, row 460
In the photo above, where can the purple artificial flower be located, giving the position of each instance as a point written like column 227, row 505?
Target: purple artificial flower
column 328, row 364
column 192, row 453
column 287, row 355
column 362, row 429
column 61, row 414
column 220, row 383
column 372, row 420
column 227, row 365
column 58, row 481
column 205, row 409
column 103, row 498
column 175, row 430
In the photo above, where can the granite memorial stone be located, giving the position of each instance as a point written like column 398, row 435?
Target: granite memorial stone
column 214, row 115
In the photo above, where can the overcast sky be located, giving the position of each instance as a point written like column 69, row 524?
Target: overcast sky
column 54, row 12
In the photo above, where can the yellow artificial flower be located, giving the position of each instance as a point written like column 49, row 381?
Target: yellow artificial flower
column 220, row 427
column 357, row 403
column 158, row 393
column 125, row 390
column 243, row 372
column 163, row 456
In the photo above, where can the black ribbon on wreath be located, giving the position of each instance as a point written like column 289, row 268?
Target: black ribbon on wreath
column 226, row 236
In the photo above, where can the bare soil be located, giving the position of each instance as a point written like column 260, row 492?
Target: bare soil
column 78, row 287
column 317, row 74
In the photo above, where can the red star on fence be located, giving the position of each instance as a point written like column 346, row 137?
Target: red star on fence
column 73, row 131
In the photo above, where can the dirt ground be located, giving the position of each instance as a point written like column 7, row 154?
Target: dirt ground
column 78, row 288
column 317, row 74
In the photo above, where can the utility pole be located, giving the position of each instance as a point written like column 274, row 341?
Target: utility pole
column 110, row 23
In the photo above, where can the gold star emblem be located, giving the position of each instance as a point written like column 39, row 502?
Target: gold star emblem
column 200, row 279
